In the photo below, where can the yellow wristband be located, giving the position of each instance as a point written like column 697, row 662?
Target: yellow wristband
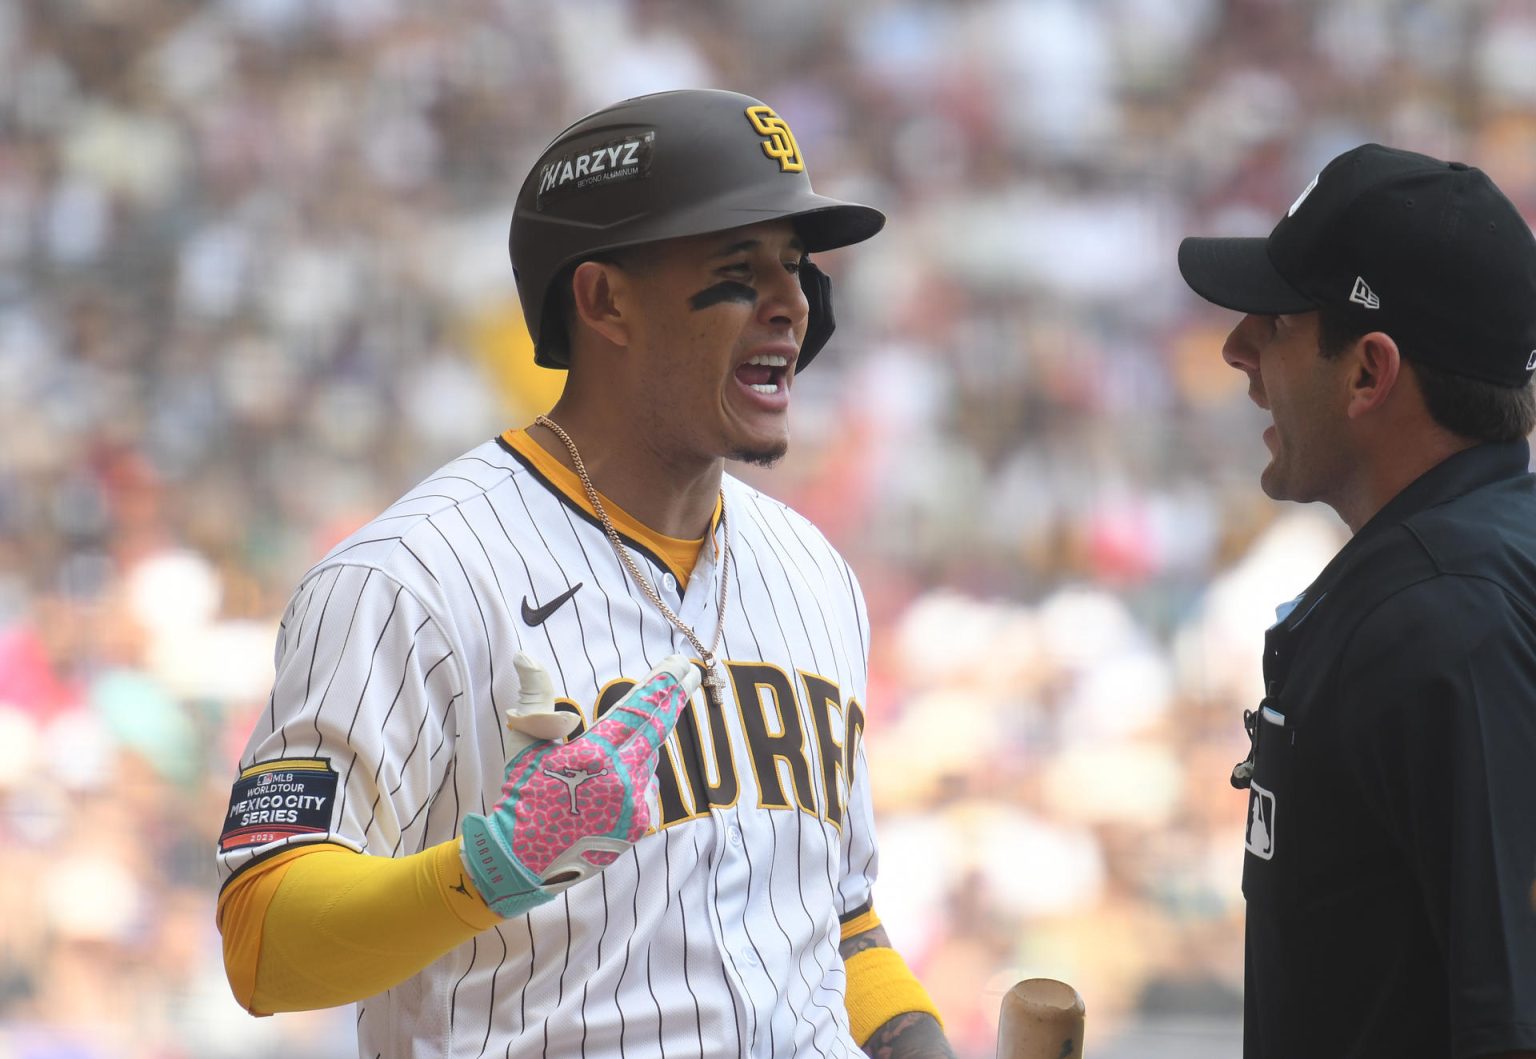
column 880, row 987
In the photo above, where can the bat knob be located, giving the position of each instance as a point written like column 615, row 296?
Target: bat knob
column 1040, row 1018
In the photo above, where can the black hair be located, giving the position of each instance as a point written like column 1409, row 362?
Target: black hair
column 1468, row 407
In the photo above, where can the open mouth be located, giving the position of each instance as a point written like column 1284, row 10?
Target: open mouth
column 765, row 373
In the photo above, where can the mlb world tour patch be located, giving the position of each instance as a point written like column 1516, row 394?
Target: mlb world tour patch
column 274, row 800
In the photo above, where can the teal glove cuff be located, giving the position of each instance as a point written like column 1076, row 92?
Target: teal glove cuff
column 508, row 888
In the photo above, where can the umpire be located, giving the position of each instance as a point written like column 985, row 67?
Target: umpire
column 1390, row 332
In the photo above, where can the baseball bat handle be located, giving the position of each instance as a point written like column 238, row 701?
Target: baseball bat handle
column 1040, row 1018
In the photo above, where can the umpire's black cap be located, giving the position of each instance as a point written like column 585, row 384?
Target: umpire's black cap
column 658, row 167
column 1430, row 252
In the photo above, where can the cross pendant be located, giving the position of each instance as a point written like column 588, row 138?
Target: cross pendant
column 714, row 688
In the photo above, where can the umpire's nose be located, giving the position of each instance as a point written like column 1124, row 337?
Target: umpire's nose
column 1241, row 349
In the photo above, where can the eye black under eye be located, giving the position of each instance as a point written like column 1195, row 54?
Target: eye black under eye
column 724, row 291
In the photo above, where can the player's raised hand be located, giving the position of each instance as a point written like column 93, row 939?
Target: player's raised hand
column 567, row 810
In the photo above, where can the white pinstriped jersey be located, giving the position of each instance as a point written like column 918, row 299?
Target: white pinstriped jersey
column 718, row 933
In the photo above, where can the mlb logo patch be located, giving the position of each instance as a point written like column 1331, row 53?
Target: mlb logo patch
column 1261, row 822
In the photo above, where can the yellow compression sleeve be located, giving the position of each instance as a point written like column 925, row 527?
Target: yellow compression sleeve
column 307, row 928
column 242, row 909
column 880, row 987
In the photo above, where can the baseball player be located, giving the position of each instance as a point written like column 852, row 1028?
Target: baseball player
column 564, row 754
column 1390, row 332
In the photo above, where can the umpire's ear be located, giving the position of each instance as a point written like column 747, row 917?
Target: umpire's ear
column 1375, row 374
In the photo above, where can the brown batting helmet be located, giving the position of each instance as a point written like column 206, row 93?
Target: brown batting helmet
column 659, row 167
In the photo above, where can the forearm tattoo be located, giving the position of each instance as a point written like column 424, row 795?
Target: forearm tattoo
column 915, row 1035
column 874, row 938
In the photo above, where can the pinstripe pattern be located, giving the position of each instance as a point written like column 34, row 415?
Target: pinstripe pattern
column 717, row 934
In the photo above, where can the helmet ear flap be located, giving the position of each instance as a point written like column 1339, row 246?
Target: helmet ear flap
column 553, row 347
column 820, row 324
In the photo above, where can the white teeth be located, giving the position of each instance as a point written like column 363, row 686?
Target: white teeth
column 770, row 360
column 765, row 387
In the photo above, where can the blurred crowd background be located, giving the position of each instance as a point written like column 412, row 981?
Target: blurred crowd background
column 253, row 285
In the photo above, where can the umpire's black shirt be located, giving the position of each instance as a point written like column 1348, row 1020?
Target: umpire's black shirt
column 1391, row 837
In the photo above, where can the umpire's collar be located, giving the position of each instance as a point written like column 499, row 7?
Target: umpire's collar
column 1453, row 477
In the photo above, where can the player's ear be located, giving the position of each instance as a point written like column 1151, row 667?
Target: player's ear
column 1375, row 371
column 599, row 298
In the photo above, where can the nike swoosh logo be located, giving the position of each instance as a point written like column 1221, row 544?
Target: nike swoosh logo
column 537, row 615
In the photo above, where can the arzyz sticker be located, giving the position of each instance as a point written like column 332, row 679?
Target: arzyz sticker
column 608, row 163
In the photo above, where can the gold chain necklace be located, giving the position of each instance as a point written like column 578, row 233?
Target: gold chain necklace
column 714, row 683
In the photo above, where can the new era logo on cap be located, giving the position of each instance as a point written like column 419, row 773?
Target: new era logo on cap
column 1363, row 295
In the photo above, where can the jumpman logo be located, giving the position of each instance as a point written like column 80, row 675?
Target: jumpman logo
column 573, row 778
